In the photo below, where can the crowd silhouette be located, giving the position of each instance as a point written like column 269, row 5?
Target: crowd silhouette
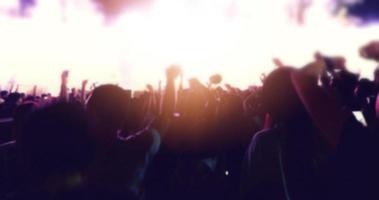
column 298, row 136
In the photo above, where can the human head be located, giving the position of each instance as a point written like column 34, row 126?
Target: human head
column 3, row 94
column 109, row 106
column 279, row 96
column 13, row 98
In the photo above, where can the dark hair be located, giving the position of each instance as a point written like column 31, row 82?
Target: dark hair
column 109, row 104
column 279, row 96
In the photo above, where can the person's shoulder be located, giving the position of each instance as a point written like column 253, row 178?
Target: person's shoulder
column 265, row 134
column 265, row 138
column 145, row 140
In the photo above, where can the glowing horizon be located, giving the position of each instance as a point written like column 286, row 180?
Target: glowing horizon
column 237, row 39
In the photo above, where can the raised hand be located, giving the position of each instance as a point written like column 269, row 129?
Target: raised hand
column 34, row 91
column 84, row 83
column 83, row 92
column 215, row 79
column 278, row 63
column 173, row 72
column 318, row 56
column 93, row 86
column 11, row 85
column 64, row 80
column 64, row 77
column 370, row 51
column 150, row 88
column 169, row 100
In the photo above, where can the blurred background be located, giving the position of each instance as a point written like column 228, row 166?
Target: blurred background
column 131, row 42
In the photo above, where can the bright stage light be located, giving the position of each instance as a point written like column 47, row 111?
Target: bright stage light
column 236, row 38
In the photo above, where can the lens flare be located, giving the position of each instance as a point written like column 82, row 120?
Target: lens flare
column 236, row 38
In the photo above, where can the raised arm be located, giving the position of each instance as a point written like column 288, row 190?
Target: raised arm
column 17, row 88
column 152, row 101
column 168, row 101
column 83, row 92
column 168, row 104
column 34, row 91
column 11, row 86
column 63, row 96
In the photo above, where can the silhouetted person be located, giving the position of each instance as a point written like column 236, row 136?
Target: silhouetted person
column 281, row 161
column 10, row 104
column 120, row 163
column 56, row 150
